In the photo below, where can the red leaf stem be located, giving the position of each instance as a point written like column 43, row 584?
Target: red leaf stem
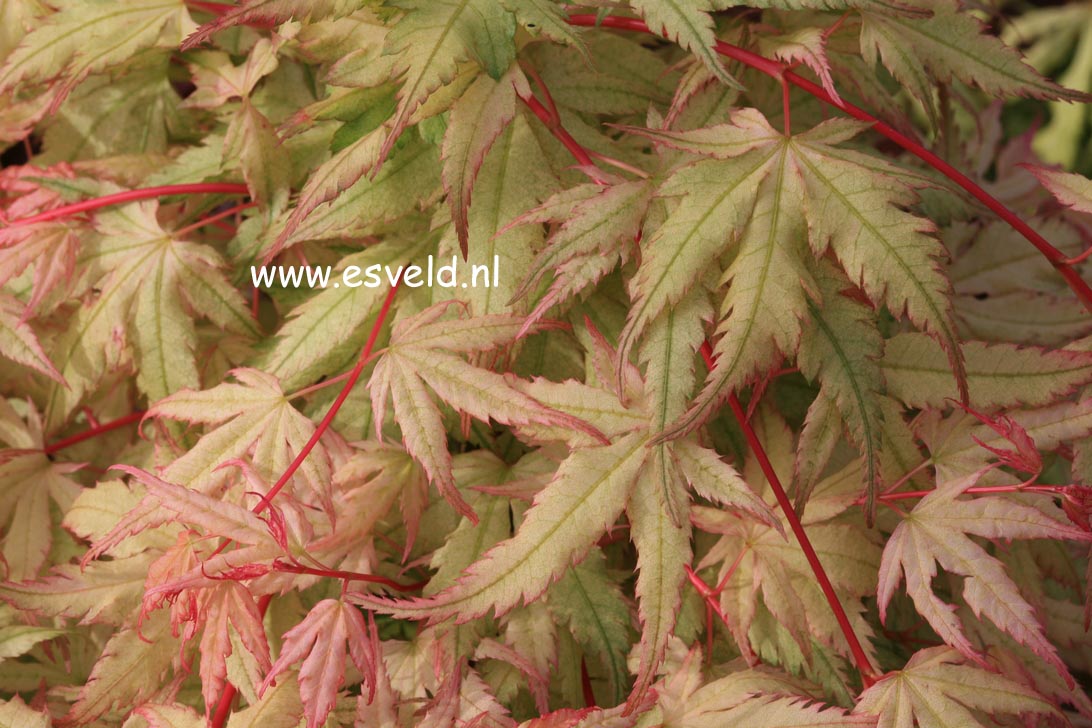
column 94, row 431
column 216, row 217
column 143, row 193
column 868, row 675
column 354, row 374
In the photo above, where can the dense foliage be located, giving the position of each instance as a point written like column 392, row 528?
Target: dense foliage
column 776, row 409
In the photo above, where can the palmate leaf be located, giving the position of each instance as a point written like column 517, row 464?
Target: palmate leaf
column 149, row 284
column 949, row 44
column 431, row 39
column 332, row 630
column 766, row 300
column 229, row 611
column 890, row 253
column 774, row 567
column 253, row 418
column 937, row 530
column 598, row 460
column 422, row 356
column 131, row 669
column 590, row 489
column 804, row 189
column 586, row 496
column 709, row 213
column 29, row 482
column 841, row 349
column 86, row 38
column 936, row 688
column 687, row 22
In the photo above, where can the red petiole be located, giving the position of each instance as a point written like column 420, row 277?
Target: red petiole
column 119, row 198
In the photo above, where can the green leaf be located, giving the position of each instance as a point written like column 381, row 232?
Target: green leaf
column 935, row 688
column 129, row 670
column 921, row 52
column 889, row 252
column 583, row 500
column 688, row 23
column 89, row 37
column 841, row 349
column 590, row 602
column 999, row 375
column 765, row 302
column 433, row 37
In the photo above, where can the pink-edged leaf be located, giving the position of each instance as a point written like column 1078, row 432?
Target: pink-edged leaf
column 330, row 630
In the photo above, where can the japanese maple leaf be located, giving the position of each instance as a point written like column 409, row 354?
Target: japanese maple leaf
column 225, row 609
column 760, row 696
column 597, row 226
column 937, row 688
column 50, row 247
column 430, row 40
column 330, row 630
column 82, row 39
column 254, row 418
column 164, row 502
column 590, row 490
column 923, row 51
column 1072, row 190
column 422, row 356
column 776, row 201
column 938, row 530
column 20, row 343
column 149, row 285
column 29, row 480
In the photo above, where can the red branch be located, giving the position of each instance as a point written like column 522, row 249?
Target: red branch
column 868, row 676
column 143, row 193
column 213, row 219
column 780, row 72
column 94, row 431
column 981, row 490
column 553, row 124
column 347, row 576
column 332, row 412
